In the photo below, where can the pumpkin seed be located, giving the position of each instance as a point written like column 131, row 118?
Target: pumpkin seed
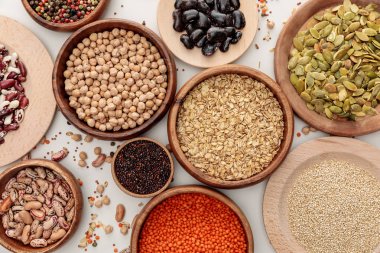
column 335, row 64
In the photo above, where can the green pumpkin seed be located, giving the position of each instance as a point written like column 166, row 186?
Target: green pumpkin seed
column 318, row 76
column 321, row 25
column 335, row 109
column 362, row 36
column 349, row 16
column 342, row 95
column 293, row 62
column 336, row 66
column 336, row 21
column 298, row 44
column 311, row 42
column 305, row 96
column 299, row 70
column 328, row 113
column 338, row 40
column 354, row 26
column 356, row 108
column 358, row 92
column 350, row 86
column 304, row 60
column 370, row 32
column 314, row 32
column 327, row 30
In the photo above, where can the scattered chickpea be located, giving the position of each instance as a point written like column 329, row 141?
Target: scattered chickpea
column 108, row 229
column 97, row 150
column 100, row 188
column 106, row 200
column 98, row 203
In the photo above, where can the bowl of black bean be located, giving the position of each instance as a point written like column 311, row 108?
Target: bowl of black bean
column 207, row 33
column 142, row 168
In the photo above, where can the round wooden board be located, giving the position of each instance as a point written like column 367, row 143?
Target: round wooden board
column 275, row 209
column 38, row 88
column 194, row 56
column 284, row 44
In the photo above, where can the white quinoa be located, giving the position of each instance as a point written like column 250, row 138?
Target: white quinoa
column 334, row 206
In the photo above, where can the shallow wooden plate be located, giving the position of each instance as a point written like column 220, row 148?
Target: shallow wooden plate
column 240, row 70
column 139, row 220
column 41, row 109
column 275, row 208
column 194, row 56
column 284, row 44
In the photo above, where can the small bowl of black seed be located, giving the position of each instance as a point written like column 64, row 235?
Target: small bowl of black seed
column 142, row 168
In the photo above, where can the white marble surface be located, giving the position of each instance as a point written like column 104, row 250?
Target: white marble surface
column 249, row 199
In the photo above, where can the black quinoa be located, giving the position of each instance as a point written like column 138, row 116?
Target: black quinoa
column 142, row 167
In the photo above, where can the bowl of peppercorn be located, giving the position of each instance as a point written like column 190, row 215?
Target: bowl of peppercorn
column 142, row 168
column 64, row 15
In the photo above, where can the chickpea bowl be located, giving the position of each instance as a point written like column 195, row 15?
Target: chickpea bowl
column 114, row 79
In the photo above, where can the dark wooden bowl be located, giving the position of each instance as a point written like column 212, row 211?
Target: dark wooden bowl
column 170, row 179
column 297, row 22
column 16, row 246
column 138, row 222
column 60, row 66
column 241, row 70
column 98, row 11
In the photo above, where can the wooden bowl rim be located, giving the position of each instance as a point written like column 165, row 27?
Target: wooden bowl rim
column 136, row 195
column 281, row 182
column 65, row 27
column 77, row 195
column 294, row 24
column 241, row 70
column 71, row 115
column 140, row 219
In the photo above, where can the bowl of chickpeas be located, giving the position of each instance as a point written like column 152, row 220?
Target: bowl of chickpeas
column 114, row 79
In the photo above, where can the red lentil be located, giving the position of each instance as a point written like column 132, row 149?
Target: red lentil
column 189, row 223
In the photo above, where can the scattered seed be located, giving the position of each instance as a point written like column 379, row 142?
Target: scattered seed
column 76, row 137
column 82, row 163
column 83, row 155
column 97, row 150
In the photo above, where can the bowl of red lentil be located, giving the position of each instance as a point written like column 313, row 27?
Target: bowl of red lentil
column 142, row 168
column 67, row 15
column 191, row 219
column 230, row 126
column 114, row 79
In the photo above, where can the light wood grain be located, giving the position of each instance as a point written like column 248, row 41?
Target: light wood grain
column 19, row 247
column 107, row 25
column 42, row 106
column 142, row 195
column 284, row 44
column 275, row 208
column 230, row 69
column 66, row 27
column 140, row 219
column 194, row 56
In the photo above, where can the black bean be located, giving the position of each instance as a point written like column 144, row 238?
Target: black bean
column 225, row 45
column 216, row 34
column 197, row 35
column 178, row 3
column 142, row 167
column 190, row 16
column 224, row 6
column 185, row 39
column 203, row 21
column 187, row 5
column 218, row 19
column 190, row 28
column 209, row 49
column 229, row 20
column 210, row 3
column 230, row 31
column 178, row 25
column 235, row 4
column 236, row 37
column 203, row 7
column 202, row 41
column 239, row 19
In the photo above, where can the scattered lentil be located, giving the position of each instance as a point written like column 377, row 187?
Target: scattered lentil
column 142, row 167
column 332, row 203
column 230, row 127
column 190, row 223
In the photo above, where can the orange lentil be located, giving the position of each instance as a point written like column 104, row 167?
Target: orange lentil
column 192, row 222
column 97, row 237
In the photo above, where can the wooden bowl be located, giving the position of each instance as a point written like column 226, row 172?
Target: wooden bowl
column 138, row 222
column 60, row 66
column 298, row 21
column 230, row 69
column 98, row 11
column 194, row 56
column 42, row 106
column 115, row 178
column 16, row 246
column 275, row 207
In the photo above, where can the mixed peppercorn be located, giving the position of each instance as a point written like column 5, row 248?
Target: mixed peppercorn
column 63, row 11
